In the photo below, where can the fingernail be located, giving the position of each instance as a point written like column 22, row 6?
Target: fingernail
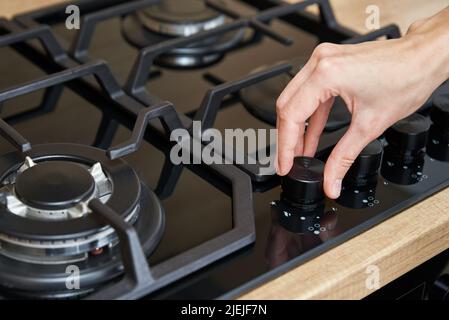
column 336, row 188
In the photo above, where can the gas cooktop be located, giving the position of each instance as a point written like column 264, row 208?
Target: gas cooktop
column 92, row 205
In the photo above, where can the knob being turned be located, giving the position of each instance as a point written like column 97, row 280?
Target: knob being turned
column 303, row 185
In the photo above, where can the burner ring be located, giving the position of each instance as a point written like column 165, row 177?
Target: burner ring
column 172, row 19
column 179, row 29
column 201, row 54
column 125, row 195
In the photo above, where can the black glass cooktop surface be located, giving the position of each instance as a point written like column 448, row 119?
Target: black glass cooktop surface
column 264, row 233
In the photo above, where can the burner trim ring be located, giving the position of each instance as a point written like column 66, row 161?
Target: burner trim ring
column 179, row 29
column 48, row 280
column 124, row 197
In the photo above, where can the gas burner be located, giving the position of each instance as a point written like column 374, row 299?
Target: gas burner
column 162, row 22
column 45, row 218
column 171, row 18
column 260, row 99
column 55, row 190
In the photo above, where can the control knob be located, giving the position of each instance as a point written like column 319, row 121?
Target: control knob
column 365, row 168
column 407, row 138
column 438, row 144
column 404, row 155
column 303, row 185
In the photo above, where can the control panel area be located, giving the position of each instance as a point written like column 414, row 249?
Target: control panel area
column 408, row 163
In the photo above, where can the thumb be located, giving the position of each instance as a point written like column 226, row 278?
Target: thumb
column 341, row 159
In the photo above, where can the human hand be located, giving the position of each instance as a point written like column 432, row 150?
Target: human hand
column 381, row 82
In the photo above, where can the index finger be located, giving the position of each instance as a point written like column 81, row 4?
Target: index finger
column 291, row 122
column 288, row 134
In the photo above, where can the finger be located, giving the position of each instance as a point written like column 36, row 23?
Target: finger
column 289, row 92
column 341, row 159
column 276, row 156
column 299, row 148
column 288, row 131
column 317, row 122
column 291, row 124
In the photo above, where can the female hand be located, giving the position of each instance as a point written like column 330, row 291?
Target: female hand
column 381, row 82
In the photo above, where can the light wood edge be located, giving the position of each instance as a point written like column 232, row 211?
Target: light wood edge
column 395, row 247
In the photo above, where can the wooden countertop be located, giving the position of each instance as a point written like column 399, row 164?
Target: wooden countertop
column 395, row 246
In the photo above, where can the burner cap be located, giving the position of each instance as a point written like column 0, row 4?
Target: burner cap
column 170, row 17
column 260, row 100
column 54, row 185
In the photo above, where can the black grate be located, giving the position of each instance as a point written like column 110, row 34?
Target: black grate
column 140, row 278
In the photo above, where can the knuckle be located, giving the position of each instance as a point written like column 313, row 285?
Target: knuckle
column 280, row 104
column 416, row 25
column 324, row 50
column 326, row 67
column 342, row 161
column 346, row 162
column 283, row 113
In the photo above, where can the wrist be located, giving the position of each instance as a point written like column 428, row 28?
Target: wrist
column 429, row 41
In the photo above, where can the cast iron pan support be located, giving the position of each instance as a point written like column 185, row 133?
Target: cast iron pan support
column 390, row 32
column 137, row 78
column 52, row 94
column 212, row 100
column 327, row 17
column 45, row 36
column 137, row 272
column 98, row 69
column 139, row 279
column 42, row 33
column 80, row 45
column 326, row 12
column 164, row 111
column 14, row 137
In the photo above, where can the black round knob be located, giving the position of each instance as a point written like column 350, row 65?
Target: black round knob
column 364, row 170
column 304, row 183
column 439, row 114
column 438, row 144
column 409, row 134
